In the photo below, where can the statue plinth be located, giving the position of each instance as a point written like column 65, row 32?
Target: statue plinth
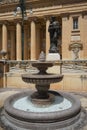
column 53, row 57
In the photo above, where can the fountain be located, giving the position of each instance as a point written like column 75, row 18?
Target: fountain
column 44, row 109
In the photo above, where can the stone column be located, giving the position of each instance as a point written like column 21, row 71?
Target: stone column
column 33, row 40
column 47, row 37
column 66, row 36
column 0, row 40
column 18, row 42
column 25, row 44
column 4, row 37
column 38, row 39
column 13, row 47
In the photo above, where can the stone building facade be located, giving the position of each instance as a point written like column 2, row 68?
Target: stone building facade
column 72, row 16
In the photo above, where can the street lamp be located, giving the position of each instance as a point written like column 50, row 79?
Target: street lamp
column 21, row 8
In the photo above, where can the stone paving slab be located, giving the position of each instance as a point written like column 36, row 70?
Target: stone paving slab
column 5, row 93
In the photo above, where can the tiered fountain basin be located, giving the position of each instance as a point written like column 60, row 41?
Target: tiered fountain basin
column 44, row 109
column 42, row 81
column 46, row 79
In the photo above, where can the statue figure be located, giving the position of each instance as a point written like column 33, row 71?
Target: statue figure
column 54, row 30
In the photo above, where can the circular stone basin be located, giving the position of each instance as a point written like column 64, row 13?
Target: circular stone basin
column 42, row 79
column 59, row 104
column 20, row 108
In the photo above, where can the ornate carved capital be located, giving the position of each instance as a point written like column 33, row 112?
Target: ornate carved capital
column 4, row 22
column 75, row 45
column 35, row 19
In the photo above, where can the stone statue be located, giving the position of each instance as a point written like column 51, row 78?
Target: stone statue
column 54, row 30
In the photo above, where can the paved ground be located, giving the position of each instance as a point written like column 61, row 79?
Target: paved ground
column 4, row 93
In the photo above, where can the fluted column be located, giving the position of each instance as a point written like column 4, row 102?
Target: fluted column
column 13, row 47
column 4, row 37
column 33, row 40
column 18, row 42
column 47, row 36
column 25, row 44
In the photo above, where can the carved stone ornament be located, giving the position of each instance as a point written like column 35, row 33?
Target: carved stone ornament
column 76, row 47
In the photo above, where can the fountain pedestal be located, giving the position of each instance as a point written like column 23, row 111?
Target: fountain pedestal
column 42, row 79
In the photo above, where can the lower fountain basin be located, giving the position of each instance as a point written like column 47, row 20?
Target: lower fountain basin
column 19, row 111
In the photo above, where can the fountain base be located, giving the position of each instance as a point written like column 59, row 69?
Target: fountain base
column 36, row 99
column 20, row 113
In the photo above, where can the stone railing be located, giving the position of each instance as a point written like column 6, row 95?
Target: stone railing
column 83, row 62
column 26, row 63
column 7, row 65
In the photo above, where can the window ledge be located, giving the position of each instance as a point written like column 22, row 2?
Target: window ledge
column 75, row 31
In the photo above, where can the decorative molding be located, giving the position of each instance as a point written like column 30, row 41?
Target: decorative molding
column 75, row 45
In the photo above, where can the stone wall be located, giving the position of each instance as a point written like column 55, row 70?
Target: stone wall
column 70, row 82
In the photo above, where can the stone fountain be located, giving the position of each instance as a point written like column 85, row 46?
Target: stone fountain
column 44, row 109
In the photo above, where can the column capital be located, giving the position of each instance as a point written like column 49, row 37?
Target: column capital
column 47, row 17
column 65, row 16
column 35, row 19
column 6, row 22
column 17, row 20
column 84, row 14
column 20, row 21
